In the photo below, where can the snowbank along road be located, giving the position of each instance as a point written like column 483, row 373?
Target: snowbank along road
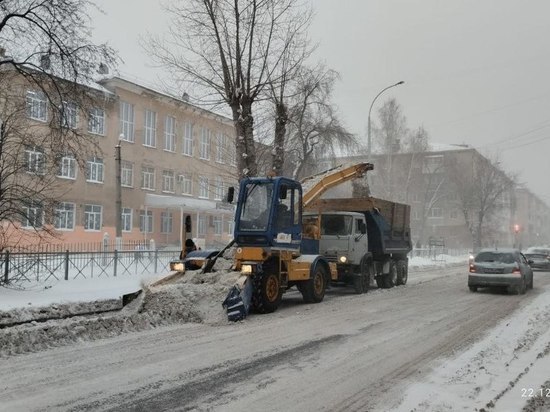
column 428, row 346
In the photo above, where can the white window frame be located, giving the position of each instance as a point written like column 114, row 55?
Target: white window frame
column 36, row 160
column 96, row 121
column 34, row 215
column 95, row 170
column 218, row 225
column 93, row 217
column 187, row 146
column 150, row 129
column 204, row 148
column 218, row 189
column 64, row 218
column 67, row 167
column 201, row 229
column 168, row 180
column 127, row 121
column 186, row 182
column 204, row 191
column 170, row 134
column 69, row 115
column 435, row 213
column 166, row 222
column 148, row 178
column 146, row 221
column 221, row 144
column 127, row 174
column 37, row 106
column 127, row 213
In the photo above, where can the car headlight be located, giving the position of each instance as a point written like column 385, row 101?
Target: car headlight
column 343, row 259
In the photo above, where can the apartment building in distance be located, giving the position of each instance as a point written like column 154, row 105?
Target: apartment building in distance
column 437, row 185
column 176, row 158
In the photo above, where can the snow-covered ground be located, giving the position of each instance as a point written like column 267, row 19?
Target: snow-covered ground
column 106, row 288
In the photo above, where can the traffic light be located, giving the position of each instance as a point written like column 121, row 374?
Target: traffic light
column 516, row 228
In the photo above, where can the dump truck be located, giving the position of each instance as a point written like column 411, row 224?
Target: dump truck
column 271, row 250
column 367, row 238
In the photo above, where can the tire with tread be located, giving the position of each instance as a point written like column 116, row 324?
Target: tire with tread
column 361, row 281
column 267, row 294
column 313, row 290
column 402, row 272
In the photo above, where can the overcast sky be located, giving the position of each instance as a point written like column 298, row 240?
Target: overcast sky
column 475, row 71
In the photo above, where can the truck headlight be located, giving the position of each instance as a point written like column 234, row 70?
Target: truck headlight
column 343, row 259
column 246, row 269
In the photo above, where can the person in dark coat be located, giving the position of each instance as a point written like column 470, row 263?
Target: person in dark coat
column 189, row 247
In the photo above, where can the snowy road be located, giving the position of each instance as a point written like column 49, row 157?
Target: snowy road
column 351, row 352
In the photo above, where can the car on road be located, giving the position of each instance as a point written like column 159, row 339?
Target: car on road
column 501, row 268
column 540, row 257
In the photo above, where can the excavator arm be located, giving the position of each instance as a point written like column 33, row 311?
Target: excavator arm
column 314, row 186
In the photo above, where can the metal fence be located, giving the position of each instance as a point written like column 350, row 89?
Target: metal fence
column 434, row 253
column 20, row 267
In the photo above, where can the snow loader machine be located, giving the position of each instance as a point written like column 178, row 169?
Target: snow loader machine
column 272, row 252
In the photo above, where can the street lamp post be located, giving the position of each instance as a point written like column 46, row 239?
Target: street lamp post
column 118, row 161
column 369, row 148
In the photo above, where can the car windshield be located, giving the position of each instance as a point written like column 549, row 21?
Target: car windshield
column 539, row 251
column 336, row 225
column 498, row 257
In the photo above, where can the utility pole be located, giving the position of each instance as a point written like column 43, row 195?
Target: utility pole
column 118, row 162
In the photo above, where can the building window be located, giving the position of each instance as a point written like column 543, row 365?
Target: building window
column 454, row 214
column 35, row 160
column 166, row 222
column 170, row 134
column 64, row 216
column 127, row 121
column 69, row 115
column 92, row 217
column 33, row 215
column 415, row 214
column 37, row 106
column 168, row 181
column 202, row 225
column 203, row 187
column 188, row 139
column 95, row 170
column 432, row 164
column 186, row 184
column 127, row 174
column 232, row 151
column 146, row 221
column 150, row 137
column 204, row 152
column 229, row 226
column 67, row 167
column 96, row 121
column 126, row 219
column 435, row 212
column 148, row 178
column 221, row 144
column 218, row 225
column 219, row 189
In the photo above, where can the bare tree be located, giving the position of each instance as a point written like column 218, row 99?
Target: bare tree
column 47, row 65
column 481, row 186
column 392, row 128
column 231, row 50
column 314, row 128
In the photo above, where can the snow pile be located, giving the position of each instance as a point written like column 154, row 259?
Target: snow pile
column 195, row 297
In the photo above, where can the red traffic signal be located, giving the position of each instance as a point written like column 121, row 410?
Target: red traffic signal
column 516, row 228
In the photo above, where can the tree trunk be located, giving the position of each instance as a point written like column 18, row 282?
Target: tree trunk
column 244, row 129
column 278, row 154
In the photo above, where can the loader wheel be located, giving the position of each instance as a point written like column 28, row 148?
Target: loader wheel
column 313, row 290
column 402, row 272
column 267, row 294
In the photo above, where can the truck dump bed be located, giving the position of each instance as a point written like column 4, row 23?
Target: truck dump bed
column 388, row 223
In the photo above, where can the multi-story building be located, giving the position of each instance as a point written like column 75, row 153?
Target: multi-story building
column 176, row 159
column 532, row 220
column 444, row 190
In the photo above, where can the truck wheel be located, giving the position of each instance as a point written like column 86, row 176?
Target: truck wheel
column 388, row 280
column 313, row 290
column 362, row 280
column 267, row 293
column 402, row 272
